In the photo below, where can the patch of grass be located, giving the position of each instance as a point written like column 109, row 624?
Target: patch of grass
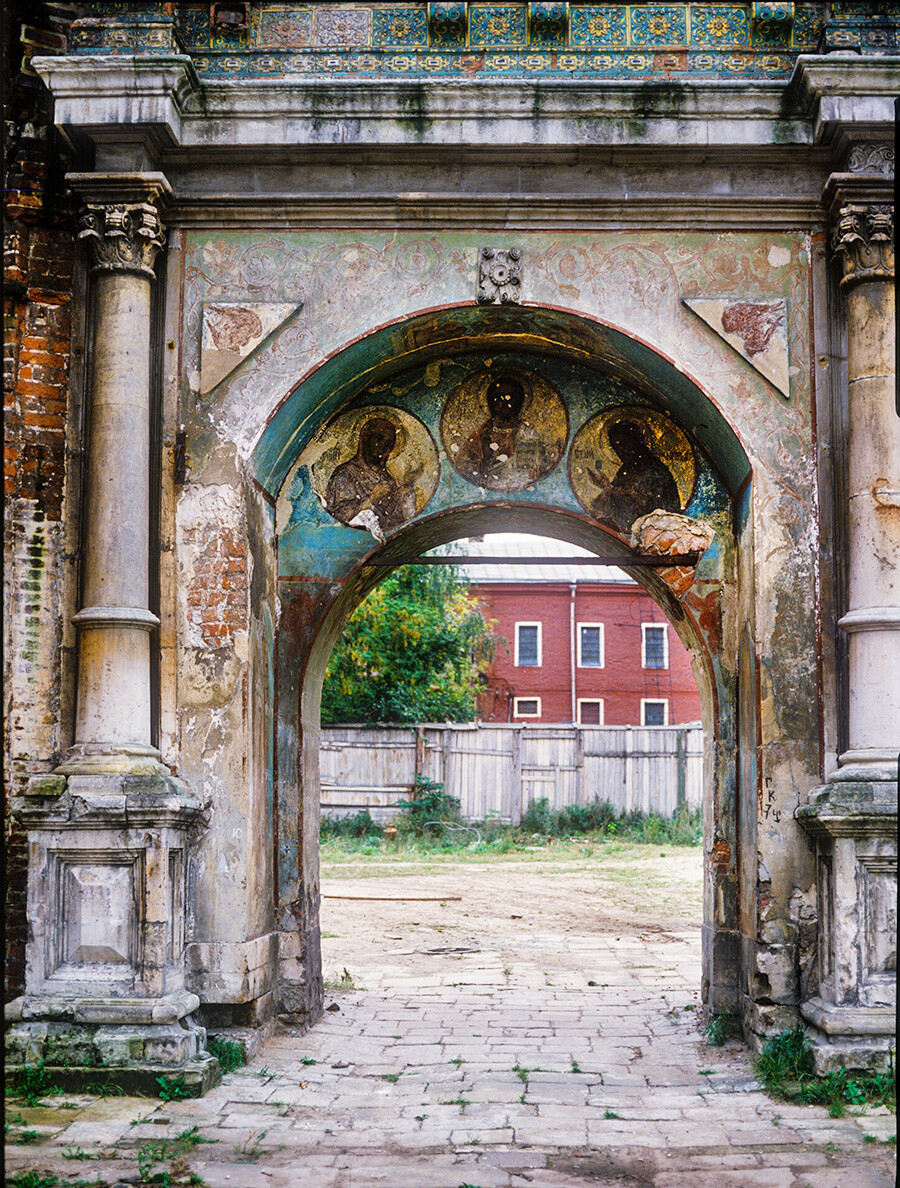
column 307, row 1060
column 31, row 1083
column 576, row 1068
column 462, row 1102
column 785, row 1069
column 722, row 1028
column 392, row 1077
column 610, row 1114
column 77, row 1153
column 32, row 1179
column 230, row 1055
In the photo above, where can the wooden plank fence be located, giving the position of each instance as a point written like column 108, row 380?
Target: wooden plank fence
column 498, row 770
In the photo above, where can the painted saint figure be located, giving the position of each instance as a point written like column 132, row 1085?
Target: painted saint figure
column 362, row 488
column 487, row 452
column 642, row 484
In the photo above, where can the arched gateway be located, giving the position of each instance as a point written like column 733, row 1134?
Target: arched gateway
column 326, row 379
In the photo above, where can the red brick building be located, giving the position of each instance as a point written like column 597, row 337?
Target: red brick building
column 583, row 643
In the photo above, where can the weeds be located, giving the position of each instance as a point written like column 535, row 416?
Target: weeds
column 251, row 1150
column 722, row 1028
column 393, row 1078
column 421, row 826
column 785, row 1069
column 31, row 1082
column 341, row 985
column 32, row 1179
column 173, row 1088
column 230, row 1055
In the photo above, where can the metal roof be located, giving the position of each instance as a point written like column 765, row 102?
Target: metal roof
column 510, row 544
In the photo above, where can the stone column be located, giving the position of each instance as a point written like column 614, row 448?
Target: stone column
column 105, row 996
column 121, row 224
column 853, row 818
column 864, row 240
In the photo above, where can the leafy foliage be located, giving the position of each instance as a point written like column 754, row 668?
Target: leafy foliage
column 411, row 652
column 428, row 805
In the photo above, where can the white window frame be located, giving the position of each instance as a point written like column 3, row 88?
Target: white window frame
column 663, row 701
column 591, row 701
column 665, row 630
column 529, row 623
column 517, row 700
column 602, row 664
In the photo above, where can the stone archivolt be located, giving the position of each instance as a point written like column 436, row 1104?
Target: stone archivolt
column 125, row 237
column 864, row 238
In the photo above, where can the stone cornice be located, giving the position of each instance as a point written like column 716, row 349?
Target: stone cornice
column 496, row 211
column 846, row 95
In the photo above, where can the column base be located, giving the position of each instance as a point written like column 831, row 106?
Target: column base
column 146, row 1045
column 852, row 1017
column 111, row 759
column 860, row 1038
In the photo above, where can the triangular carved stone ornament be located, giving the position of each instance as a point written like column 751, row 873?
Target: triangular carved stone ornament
column 756, row 329
column 231, row 332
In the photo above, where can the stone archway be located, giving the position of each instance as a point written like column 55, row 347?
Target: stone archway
column 325, row 568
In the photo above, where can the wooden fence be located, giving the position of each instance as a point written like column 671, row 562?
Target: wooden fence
column 498, row 770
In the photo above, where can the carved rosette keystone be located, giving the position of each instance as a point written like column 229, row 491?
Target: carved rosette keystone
column 864, row 239
column 125, row 237
column 499, row 276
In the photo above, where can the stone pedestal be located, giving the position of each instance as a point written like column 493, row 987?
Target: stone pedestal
column 852, row 1018
column 105, row 971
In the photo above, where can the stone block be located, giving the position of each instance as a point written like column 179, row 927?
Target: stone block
column 68, row 1044
column 26, row 1043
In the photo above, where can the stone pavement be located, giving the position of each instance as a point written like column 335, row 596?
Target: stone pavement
column 489, row 1072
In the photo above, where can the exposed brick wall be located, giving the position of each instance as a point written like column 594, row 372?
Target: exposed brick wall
column 37, row 269
column 217, row 594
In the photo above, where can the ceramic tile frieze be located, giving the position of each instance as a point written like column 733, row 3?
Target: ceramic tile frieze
column 522, row 39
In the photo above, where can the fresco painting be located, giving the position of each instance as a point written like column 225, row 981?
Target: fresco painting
column 504, row 428
column 629, row 461
column 373, row 468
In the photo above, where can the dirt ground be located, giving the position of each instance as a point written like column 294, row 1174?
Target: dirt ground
column 408, row 910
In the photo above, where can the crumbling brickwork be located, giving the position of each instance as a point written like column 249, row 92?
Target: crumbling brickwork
column 38, row 262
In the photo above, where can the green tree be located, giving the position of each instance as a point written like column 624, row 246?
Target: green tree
column 411, row 652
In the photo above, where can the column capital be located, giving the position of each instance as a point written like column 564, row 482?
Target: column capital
column 861, row 212
column 120, row 219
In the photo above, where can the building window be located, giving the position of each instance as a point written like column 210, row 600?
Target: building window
column 655, row 649
column 527, row 707
column 654, row 713
column 590, row 645
column 590, row 713
column 528, row 645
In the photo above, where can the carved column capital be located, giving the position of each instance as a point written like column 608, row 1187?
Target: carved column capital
column 125, row 237
column 864, row 239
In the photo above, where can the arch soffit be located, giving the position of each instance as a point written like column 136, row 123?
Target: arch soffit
column 460, row 330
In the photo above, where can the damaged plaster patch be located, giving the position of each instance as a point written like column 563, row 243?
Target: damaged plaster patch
column 756, row 329
column 231, row 332
column 213, row 568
